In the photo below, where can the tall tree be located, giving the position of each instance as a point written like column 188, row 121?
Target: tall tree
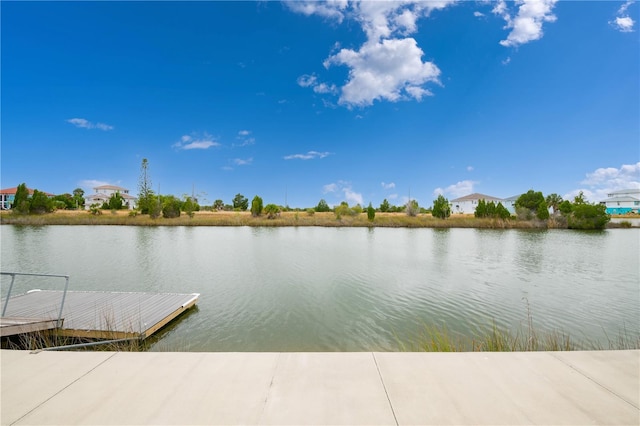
column 21, row 199
column 441, row 207
column 322, row 206
column 40, row 203
column 579, row 199
column 218, row 205
column 240, row 202
column 146, row 198
column 115, row 202
column 78, row 197
column 384, row 206
column 371, row 213
column 171, row 206
column 412, row 208
column 256, row 206
column 553, row 201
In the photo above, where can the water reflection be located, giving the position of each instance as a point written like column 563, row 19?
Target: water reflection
column 271, row 289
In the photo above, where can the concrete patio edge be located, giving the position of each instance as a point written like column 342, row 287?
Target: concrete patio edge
column 353, row 388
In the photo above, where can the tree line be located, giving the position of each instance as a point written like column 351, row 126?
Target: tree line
column 530, row 206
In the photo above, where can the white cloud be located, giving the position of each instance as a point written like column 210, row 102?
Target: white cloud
column 526, row 26
column 389, row 70
column 388, row 66
column 478, row 14
column 352, row 197
column 392, row 196
column 325, row 88
column 332, row 187
column 308, row 156
column 188, row 142
column 242, row 162
column 89, row 184
column 244, row 136
column 469, row 168
column 456, row 190
column 318, row 87
column 344, row 188
column 389, row 185
column 86, row 124
column 605, row 180
column 506, row 61
column 623, row 22
column 333, row 9
column 307, row 80
column 624, row 7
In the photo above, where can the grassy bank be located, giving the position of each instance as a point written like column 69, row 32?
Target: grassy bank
column 525, row 339
column 388, row 220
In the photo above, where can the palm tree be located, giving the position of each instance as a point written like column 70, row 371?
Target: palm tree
column 554, row 200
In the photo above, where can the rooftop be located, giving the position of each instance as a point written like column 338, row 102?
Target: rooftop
column 477, row 196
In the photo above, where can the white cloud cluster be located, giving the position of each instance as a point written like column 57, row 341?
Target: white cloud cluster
column 188, row 142
column 345, row 188
column 333, row 9
column 458, row 189
column 623, row 22
column 388, row 66
column 391, row 70
column 389, row 185
column 86, row 124
column 526, row 26
column 311, row 155
column 245, row 138
column 605, row 180
column 318, row 87
column 242, row 161
column 89, row 184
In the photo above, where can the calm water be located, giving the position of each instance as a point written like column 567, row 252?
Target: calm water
column 347, row 289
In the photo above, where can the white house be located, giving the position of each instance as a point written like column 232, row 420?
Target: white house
column 468, row 203
column 104, row 192
column 623, row 201
column 510, row 203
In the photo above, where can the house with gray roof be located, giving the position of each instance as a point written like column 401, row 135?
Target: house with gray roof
column 104, row 192
column 622, row 201
column 468, row 203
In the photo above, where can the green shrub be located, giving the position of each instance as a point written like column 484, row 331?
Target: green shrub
column 171, row 207
column 272, row 211
column 371, row 213
column 441, row 208
column 322, row 207
column 542, row 212
column 256, row 206
column 588, row 216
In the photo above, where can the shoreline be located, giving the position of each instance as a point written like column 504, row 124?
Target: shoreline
column 287, row 219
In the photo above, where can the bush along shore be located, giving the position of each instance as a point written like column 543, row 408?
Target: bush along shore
column 524, row 339
column 530, row 210
column 290, row 218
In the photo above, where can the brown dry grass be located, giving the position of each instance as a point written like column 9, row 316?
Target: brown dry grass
column 224, row 218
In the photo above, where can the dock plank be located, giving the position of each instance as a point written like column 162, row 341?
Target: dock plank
column 110, row 315
column 19, row 325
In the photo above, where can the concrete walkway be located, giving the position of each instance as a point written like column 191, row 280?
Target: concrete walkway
column 577, row 388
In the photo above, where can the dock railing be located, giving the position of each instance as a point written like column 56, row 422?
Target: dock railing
column 13, row 278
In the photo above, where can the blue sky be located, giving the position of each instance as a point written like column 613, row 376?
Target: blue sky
column 341, row 100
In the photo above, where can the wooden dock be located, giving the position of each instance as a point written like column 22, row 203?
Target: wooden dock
column 93, row 314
